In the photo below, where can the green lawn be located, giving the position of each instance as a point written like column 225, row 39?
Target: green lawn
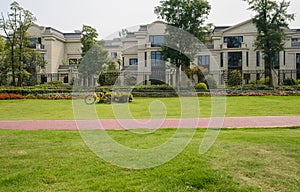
column 236, row 106
column 240, row 160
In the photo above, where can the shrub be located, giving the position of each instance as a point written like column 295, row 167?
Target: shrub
column 289, row 81
column 55, row 83
column 108, row 78
column 235, row 78
column 262, row 81
column 201, row 86
column 211, row 82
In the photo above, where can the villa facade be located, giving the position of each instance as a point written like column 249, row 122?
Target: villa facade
column 60, row 51
column 228, row 48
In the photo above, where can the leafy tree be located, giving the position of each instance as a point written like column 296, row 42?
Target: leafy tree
column 3, row 68
column 88, row 40
column 271, row 19
column 110, row 66
column 186, row 27
column 19, row 55
column 94, row 61
column 2, row 50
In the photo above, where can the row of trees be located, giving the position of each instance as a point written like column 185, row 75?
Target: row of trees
column 17, row 59
column 187, row 18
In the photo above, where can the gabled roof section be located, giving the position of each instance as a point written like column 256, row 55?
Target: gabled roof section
column 238, row 25
column 220, row 28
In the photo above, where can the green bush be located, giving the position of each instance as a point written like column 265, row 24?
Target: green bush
column 201, row 86
column 55, row 83
column 289, row 81
column 235, row 78
column 211, row 82
column 108, row 78
column 262, row 81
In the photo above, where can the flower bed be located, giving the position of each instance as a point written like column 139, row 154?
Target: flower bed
column 6, row 96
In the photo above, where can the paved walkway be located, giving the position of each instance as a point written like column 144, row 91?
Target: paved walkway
column 228, row 122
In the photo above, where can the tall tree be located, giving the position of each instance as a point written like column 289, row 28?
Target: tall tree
column 15, row 27
column 3, row 68
column 89, row 38
column 2, row 50
column 186, row 27
column 94, row 61
column 271, row 20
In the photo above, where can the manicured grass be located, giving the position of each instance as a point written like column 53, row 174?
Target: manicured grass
column 240, row 160
column 236, row 106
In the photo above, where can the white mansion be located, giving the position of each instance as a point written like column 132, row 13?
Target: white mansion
column 229, row 48
column 61, row 52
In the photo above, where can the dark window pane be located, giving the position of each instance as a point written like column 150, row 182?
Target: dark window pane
column 234, row 41
column 156, row 40
column 157, row 59
column 133, row 61
column 234, row 59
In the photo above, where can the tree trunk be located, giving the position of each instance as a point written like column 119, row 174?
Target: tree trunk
column 12, row 59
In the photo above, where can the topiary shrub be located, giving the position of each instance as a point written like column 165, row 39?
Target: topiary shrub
column 235, row 78
column 201, row 86
column 211, row 82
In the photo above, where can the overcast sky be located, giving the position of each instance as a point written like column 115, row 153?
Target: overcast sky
column 110, row 16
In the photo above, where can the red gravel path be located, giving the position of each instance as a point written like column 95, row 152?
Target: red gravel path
column 228, row 122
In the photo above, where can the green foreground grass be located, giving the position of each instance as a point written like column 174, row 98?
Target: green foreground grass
column 235, row 107
column 240, row 160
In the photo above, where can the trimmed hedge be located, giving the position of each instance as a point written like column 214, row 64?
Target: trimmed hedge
column 58, row 91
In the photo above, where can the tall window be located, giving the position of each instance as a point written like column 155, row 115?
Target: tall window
column 133, row 61
column 156, row 40
column 204, row 60
column 235, row 60
column 298, row 58
column 156, row 59
column 233, row 41
column 221, row 60
column 284, row 58
column 257, row 58
column 247, row 59
column 145, row 59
